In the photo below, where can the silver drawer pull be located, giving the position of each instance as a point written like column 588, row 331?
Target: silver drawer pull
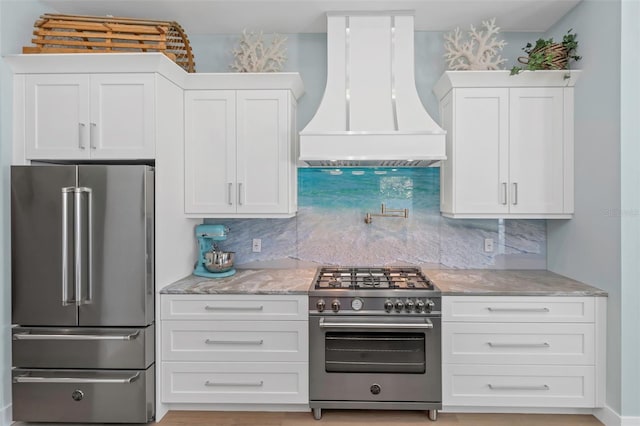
column 518, row 345
column 29, row 336
column 234, row 308
column 254, row 384
column 32, row 379
column 490, row 309
column 507, row 387
column 368, row 325
column 234, row 342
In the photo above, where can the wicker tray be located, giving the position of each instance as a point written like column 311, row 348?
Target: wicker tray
column 97, row 34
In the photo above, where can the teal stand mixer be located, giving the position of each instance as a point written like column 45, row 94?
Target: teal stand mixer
column 213, row 262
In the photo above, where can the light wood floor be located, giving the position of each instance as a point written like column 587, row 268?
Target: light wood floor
column 368, row 418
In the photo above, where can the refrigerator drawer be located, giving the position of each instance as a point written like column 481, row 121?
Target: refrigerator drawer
column 86, row 396
column 116, row 348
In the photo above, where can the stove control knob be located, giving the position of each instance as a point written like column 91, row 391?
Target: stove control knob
column 320, row 305
column 420, row 306
column 430, row 305
column 388, row 305
column 409, row 305
column 335, row 305
column 399, row 305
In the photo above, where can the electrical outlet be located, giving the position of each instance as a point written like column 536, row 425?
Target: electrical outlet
column 488, row 245
column 257, row 245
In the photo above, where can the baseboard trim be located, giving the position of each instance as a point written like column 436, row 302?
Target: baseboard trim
column 516, row 410
column 237, row 407
column 5, row 415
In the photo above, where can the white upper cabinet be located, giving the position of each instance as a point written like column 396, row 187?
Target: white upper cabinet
column 509, row 144
column 89, row 116
column 264, row 148
column 241, row 150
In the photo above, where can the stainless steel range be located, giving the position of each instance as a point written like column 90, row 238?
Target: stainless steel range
column 374, row 336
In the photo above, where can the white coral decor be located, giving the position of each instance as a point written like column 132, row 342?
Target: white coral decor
column 479, row 52
column 251, row 55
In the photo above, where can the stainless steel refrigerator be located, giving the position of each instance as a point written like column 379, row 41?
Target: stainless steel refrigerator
column 83, row 293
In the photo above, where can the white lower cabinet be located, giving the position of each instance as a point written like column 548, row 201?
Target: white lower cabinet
column 518, row 385
column 235, row 382
column 500, row 351
column 235, row 349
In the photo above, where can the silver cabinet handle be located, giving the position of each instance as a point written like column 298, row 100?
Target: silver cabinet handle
column 234, row 308
column 240, row 193
column 504, row 193
column 508, row 387
column 234, row 342
column 33, row 379
column 65, row 246
column 491, row 309
column 518, row 345
column 81, row 127
column 515, row 193
column 368, row 325
column 30, row 336
column 256, row 384
column 92, row 139
column 230, row 194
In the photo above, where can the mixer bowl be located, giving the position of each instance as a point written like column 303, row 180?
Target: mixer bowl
column 219, row 261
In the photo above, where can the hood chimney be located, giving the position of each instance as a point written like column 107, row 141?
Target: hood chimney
column 370, row 114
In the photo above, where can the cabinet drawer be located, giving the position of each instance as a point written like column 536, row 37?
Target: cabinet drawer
column 518, row 309
column 83, row 396
column 234, row 340
column 90, row 348
column 528, row 343
column 254, row 383
column 518, row 386
column 234, row 307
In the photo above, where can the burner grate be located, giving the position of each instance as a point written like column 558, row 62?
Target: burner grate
column 371, row 278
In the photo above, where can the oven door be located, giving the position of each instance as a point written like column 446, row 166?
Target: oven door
column 374, row 358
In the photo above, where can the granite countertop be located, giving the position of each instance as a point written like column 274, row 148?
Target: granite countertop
column 488, row 282
column 247, row 281
column 451, row 282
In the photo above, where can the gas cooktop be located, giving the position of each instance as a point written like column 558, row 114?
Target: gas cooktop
column 383, row 278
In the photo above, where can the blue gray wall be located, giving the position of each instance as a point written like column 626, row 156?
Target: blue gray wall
column 5, row 292
column 630, row 209
column 588, row 247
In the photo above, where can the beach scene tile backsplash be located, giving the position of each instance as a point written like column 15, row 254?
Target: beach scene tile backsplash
column 330, row 229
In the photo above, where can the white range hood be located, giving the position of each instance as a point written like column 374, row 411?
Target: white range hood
column 371, row 114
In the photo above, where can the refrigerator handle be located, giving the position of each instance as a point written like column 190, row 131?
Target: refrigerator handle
column 84, row 256
column 89, row 245
column 65, row 246
column 35, row 379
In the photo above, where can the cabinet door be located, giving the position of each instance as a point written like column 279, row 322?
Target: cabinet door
column 210, row 151
column 122, row 116
column 57, row 116
column 263, row 151
column 480, row 154
column 536, row 150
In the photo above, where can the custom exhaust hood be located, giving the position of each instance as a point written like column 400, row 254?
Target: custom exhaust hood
column 370, row 114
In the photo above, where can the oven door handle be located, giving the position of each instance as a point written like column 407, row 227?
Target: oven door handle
column 377, row 325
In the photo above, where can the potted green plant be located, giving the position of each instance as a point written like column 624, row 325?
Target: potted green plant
column 549, row 55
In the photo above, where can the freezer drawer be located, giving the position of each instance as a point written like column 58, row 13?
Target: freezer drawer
column 83, row 396
column 53, row 347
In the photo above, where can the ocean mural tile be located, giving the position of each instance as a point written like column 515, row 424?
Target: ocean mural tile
column 330, row 228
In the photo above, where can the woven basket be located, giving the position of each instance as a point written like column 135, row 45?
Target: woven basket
column 559, row 57
column 97, row 34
